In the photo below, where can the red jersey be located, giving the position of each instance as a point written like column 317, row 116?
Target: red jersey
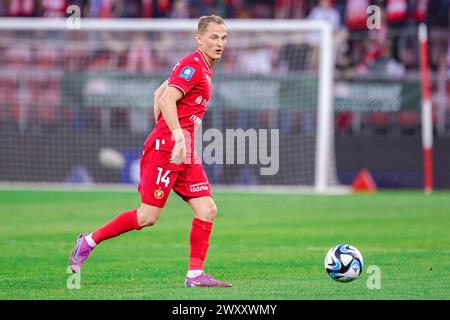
column 192, row 76
column 397, row 10
column 54, row 8
column 356, row 14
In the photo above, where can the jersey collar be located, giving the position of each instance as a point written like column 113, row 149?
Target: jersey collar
column 204, row 59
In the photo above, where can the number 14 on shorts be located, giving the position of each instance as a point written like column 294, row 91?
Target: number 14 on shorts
column 164, row 178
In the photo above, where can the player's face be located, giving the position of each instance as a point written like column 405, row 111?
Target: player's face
column 213, row 42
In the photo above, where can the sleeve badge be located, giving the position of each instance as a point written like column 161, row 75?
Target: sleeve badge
column 187, row 73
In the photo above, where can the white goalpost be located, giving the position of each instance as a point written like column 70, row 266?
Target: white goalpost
column 77, row 104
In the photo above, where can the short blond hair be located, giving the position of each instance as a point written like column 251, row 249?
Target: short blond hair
column 204, row 22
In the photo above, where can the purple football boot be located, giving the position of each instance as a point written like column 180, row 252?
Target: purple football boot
column 80, row 253
column 204, row 280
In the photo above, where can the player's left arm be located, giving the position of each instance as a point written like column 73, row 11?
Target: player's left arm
column 157, row 94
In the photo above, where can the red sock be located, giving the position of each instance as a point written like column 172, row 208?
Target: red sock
column 199, row 238
column 124, row 222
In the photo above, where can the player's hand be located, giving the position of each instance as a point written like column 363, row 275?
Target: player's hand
column 179, row 150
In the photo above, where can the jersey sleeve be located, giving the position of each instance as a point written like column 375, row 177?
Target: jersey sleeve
column 185, row 76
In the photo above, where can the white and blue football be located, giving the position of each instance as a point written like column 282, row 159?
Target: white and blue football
column 344, row 263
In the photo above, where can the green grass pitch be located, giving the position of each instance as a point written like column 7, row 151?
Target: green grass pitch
column 267, row 246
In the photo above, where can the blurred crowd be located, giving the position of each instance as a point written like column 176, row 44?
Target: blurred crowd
column 391, row 49
column 350, row 12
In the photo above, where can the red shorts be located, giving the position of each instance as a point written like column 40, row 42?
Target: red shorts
column 158, row 176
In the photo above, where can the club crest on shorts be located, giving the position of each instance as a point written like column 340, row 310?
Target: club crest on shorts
column 159, row 194
column 187, row 73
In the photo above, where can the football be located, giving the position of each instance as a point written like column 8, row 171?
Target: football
column 344, row 263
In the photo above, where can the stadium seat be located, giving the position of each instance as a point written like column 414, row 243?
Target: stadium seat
column 407, row 122
column 344, row 122
column 378, row 122
column 296, row 121
column 263, row 119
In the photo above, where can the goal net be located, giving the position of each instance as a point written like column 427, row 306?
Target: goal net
column 77, row 105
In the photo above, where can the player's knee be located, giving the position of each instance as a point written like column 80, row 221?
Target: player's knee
column 147, row 217
column 147, row 220
column 209, row 212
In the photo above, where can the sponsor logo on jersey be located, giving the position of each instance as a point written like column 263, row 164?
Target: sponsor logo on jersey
column 159, row 194
column 200, row 100
column 199, row 187
column 187, row 73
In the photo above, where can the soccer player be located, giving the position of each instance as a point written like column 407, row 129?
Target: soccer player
column 169, row 160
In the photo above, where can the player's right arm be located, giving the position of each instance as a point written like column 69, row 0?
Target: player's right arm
column 156, row 96
column 168, row 105
column 185, row 75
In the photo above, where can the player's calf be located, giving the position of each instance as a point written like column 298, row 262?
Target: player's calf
column 126, row 221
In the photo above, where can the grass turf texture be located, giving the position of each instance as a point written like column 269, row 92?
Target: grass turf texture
column 267, row 246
